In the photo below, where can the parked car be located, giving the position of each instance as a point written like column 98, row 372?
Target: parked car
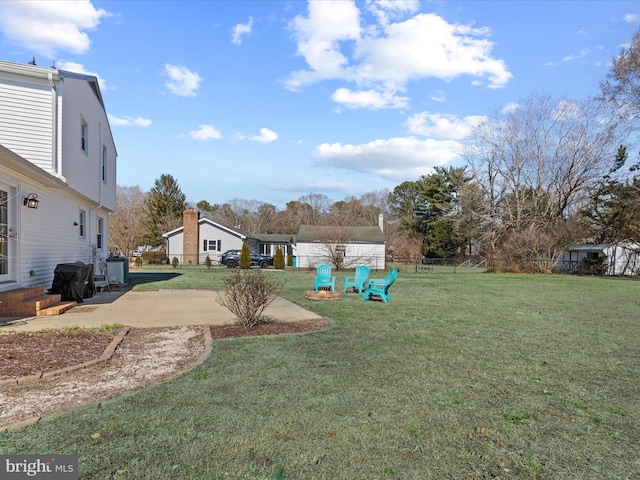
column 137, row 253
column 231, row 258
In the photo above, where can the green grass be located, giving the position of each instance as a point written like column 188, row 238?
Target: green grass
column 460, row 376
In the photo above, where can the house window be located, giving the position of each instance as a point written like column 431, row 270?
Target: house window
column 99, row 228
column 84, row 137
column 341, row 251
column 103, row 165
column 82, row 219
column 212, row 245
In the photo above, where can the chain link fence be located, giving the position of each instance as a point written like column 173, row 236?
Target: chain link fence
column 439, row 265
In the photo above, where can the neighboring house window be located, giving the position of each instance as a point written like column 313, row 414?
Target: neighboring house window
column 99, row 226
column 82, row 219
column 104, row 164
column 341, row 250
column 84, row 137
column 212, row 245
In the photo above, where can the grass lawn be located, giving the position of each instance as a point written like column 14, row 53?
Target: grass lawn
column 461, row 376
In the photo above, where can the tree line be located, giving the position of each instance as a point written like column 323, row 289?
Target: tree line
column 543, row 174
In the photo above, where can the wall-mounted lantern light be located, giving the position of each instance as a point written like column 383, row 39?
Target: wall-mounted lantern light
column 31, row 201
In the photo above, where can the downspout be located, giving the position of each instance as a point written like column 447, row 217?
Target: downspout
column 57, row 168
column 99, row 206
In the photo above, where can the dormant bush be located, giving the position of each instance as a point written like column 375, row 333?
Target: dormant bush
column 247, row 293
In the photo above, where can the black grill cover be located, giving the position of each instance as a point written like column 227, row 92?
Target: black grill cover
column 73, row 281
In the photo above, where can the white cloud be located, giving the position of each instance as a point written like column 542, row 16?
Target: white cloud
column 438, row 96
column 394, row 159
column 205, row 132
column 266, row 136
column 440, row 125
column 48, row 27
column 385, row 10
column 510, row 107
column 182, row 81
column 79, row 68
column 385, row 56
column 128, row 121
column 371, row 99
column 574, row 56
column 428, row 46
column 240, row 30
column 630, row 17
column 318, row 37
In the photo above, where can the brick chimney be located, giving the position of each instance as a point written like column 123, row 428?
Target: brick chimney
column 191, row 237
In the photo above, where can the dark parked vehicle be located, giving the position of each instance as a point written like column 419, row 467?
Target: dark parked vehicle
column 231, row 258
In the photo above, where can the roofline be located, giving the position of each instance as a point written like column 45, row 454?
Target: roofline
column 24, row 167
column 29, row 70
column 21, row 165
column 211, row 222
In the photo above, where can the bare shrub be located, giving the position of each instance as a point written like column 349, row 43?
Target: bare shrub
column 247, row 294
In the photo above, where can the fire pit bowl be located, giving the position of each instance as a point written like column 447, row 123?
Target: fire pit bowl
column 322, row 295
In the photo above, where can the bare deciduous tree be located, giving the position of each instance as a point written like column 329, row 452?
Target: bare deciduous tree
column 333, row 241
column 535, row 164
column 622, row 86
column 126, row 228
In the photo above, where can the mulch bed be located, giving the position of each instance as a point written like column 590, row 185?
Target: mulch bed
column 30, row 353
column 269, row 328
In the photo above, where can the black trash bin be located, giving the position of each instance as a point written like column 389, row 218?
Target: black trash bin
column 73, row 281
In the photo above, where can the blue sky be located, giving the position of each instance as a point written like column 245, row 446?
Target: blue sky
column 272, row 100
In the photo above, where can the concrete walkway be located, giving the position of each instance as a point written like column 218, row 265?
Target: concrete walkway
column 164, row 308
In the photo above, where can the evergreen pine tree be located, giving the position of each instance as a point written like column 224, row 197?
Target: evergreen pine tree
column 278, row 259
column 163, row 206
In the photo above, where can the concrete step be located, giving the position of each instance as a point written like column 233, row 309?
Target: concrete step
column 57, row 309
column 29, row 302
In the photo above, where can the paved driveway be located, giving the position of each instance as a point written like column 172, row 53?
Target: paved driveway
column 163, row 308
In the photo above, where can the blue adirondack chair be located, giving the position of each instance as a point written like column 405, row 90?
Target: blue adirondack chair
column 380, row 288
column 357, row 282
column 324, row 278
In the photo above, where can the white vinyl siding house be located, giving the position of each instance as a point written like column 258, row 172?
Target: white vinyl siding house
column 621, row 258
column 357, row 245
column 41, row 110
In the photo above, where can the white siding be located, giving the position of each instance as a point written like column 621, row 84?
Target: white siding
column 47, row 236
column 368, row 254
column 41, row 124
column 83, row 171
column 310, row 255
column 26, row 119
column 623, row 260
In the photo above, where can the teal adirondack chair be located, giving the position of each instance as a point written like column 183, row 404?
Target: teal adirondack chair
column 324, row 278
column 380, row 288
column 357, row 282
